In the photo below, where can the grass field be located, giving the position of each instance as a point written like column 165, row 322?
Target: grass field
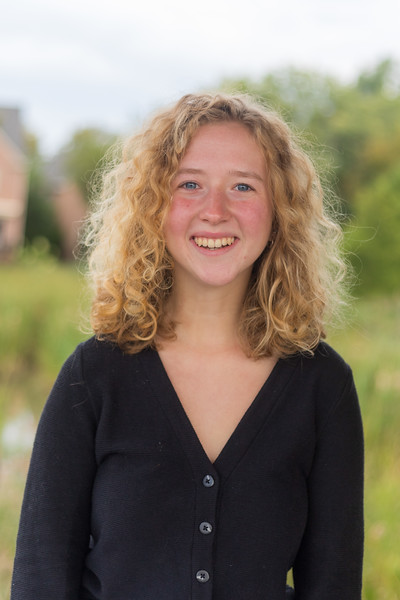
column 41, row 304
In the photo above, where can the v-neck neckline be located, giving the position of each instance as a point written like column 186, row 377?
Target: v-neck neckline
column 247, row 428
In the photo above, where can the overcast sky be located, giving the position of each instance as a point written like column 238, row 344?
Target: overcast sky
column 75, row 63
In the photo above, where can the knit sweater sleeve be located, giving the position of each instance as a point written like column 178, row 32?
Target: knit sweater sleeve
column 329, row 563
column 53, row 535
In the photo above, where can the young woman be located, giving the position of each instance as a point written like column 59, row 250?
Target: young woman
column 205, row 441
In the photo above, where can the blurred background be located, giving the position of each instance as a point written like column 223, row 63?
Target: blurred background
column 75, row 76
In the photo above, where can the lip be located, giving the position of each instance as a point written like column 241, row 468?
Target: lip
column 213, row 251
column 213, row 236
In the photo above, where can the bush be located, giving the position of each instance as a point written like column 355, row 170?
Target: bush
column 374, row 234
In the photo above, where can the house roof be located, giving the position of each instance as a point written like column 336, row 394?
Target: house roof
column 10, row 124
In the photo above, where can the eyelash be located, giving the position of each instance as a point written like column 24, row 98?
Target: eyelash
column 193, row 183
column 186, row 183
column 246, row 185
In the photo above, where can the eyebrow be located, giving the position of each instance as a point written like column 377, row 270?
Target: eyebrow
column 189, row 171
column 246, row 174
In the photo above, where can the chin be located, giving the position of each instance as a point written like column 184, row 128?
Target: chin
column 224, row 279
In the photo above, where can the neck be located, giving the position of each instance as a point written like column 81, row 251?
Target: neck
column 207, row 317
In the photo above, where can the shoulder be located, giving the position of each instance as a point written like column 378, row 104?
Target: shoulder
column 325, row 352
column 98, row 374
column 323, row 381
column 325, row 364
column 98, row 356
column 91, row 355
column 99, row 364
column 335, row 394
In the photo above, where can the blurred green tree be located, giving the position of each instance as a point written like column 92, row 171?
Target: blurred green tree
column 374, row 233
column 40, row 216
column 83, row 155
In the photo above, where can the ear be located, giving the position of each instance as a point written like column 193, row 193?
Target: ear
column 270, row 243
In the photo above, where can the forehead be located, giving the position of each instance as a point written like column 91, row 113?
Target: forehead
column 223, row 130
column 224, row 141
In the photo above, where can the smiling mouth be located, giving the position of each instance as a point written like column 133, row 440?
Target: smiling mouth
column 212, row 243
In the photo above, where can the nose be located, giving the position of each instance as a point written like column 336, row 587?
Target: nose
column 215, row 207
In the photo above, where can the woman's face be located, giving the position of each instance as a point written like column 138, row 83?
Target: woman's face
column 220, row 217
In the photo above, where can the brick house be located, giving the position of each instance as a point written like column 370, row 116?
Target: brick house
column 13, row 182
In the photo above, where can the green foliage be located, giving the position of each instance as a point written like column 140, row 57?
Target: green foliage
column 40, row 216
column 360, row 124
column 382, row 79
column 40, row 329
column 40, row 312
column 83, row 155
column 374, row 240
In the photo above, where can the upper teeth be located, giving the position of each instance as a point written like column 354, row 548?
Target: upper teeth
column 214, row 243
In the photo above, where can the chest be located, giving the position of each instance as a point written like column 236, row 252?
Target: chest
column 215, row 392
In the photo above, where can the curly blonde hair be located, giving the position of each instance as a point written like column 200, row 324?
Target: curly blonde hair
column 296, row 284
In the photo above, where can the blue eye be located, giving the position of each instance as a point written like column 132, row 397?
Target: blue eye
column 189, row 185
column 243, row 187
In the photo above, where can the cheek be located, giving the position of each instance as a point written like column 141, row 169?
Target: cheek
column 177, row 218
column 259, row 220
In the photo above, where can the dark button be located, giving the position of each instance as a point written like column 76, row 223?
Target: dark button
column 208, row 481
column 205, row 527
column 202, row 576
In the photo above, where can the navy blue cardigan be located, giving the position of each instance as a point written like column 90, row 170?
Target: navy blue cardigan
column 122, row 503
